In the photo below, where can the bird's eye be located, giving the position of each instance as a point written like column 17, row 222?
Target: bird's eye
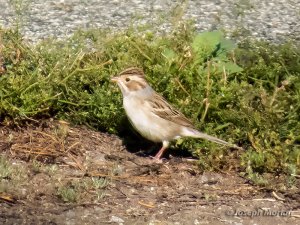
column 127, row 79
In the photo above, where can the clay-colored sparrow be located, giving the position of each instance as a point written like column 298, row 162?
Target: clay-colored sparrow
column 151, row 115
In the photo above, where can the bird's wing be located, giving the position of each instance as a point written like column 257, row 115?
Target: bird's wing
column 160, row 107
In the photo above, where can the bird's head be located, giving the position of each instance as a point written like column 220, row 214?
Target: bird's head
column 131, row 80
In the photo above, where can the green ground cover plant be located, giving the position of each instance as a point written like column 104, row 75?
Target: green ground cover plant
column 246, row 93
column 12, row 177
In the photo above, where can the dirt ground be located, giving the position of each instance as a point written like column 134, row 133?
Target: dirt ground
column 53, row 173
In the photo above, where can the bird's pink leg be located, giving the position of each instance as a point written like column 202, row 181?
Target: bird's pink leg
column 160, row 153
column 162, row 150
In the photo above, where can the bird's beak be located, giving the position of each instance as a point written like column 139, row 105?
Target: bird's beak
column 114, row 79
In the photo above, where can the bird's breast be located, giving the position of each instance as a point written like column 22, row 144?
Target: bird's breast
column 144, row 121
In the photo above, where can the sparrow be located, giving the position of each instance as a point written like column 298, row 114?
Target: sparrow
column 151, row 115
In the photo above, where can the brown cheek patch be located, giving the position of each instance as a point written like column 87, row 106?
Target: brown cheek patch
column 135, row 86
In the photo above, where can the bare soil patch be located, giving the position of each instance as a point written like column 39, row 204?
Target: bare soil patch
column 60, row 174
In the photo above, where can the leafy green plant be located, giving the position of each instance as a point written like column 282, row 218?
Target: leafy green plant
column 12, row 177
column 99, row 183
column 76, row 190
column 68, row 194
column 6, row 169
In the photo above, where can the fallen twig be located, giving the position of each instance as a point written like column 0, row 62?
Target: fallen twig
column 277, row 197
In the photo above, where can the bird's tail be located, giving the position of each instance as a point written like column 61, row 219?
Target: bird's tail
column 197, row 134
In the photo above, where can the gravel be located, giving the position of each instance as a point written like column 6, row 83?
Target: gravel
column 273, row 20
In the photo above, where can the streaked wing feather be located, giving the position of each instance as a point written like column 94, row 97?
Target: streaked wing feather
column 163, row 109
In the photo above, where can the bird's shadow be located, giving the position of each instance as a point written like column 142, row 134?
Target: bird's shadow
column 142, row 147
column 136, row 144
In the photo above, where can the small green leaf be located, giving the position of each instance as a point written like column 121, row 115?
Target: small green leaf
column 227, row 45
column 231, row 67
column 169, row 54
column 207, row 40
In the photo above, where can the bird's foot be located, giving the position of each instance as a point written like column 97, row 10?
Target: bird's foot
column 157, row 159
